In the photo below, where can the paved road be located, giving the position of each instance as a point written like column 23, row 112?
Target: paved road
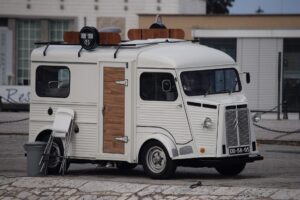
column 280, row 169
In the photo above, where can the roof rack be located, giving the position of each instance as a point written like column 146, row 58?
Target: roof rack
column 118, row 46
column 89, row 38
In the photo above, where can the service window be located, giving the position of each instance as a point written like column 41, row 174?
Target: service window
column 157, row 87
column 52, row 81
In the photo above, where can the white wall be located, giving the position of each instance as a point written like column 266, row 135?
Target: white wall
column 259, row 56
column 106, row 8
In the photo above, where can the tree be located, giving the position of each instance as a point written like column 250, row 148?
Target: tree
column 218, row 6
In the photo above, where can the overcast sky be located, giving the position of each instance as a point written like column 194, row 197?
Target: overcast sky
column 268, row 6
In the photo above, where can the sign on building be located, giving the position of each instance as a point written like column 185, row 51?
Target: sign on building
column 15, row 94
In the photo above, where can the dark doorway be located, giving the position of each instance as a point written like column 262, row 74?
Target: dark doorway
column 291, row 73
column 227, row 45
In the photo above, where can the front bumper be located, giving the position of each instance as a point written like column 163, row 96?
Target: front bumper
column 212, row 162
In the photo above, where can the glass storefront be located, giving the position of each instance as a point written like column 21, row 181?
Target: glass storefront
column 291, row 73
column 28, row 32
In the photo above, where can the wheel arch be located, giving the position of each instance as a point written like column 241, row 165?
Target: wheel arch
column 164, row 140
column 43, row 134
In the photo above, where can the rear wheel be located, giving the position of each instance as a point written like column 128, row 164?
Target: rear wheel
column 230, row 169
column 56, row 153
column 156, row 161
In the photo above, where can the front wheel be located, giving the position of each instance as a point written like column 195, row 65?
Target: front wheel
column 230, row 169
column 156, row 161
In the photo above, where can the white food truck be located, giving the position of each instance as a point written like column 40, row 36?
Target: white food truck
column 158, row 102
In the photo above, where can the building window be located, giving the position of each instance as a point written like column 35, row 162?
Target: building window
column 28, row 32
column 3, row 22
column 227, row 45
column 52, row 81
column 158, row 87
column 57, row 29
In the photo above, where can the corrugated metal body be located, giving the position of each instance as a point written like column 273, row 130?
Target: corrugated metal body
column 165, row 115
column 84, row 143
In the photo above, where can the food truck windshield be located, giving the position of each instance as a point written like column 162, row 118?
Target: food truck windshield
column 204, row 82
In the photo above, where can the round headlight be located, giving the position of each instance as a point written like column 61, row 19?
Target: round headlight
column 207, row 122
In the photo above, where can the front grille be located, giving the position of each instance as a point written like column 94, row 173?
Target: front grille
column 237, row 125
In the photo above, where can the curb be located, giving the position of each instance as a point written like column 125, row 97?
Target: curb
column 279, row 142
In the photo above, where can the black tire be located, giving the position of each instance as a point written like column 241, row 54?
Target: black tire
column 126, row 165
column 156, row 161
column 230, row 169
column 56, row 153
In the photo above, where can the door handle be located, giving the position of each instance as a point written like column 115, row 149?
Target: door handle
column 122, row 139
column 103, row 110
column 179, row 106
column 123, row 82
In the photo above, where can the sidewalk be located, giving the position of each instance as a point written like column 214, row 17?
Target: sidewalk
column 32, row 188
column 263, row 136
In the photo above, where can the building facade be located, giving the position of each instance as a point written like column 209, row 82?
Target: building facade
column 29, row 21
column 260, row 44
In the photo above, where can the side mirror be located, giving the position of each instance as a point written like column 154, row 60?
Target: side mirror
column 166, row 85
column 248, row 79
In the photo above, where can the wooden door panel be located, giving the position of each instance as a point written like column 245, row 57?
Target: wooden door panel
column 114, row 110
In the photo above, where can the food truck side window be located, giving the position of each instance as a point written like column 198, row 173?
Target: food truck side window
column 52, row 81
column 157, row 87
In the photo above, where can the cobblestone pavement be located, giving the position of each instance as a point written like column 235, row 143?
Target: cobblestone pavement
column 32, row 188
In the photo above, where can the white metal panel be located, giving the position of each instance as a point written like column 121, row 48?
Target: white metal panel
column 84, row 143
column 260, row 57
column 165, row 115
column 83, row 113
column 249, row 62
column 268, row 74
column 204, row 137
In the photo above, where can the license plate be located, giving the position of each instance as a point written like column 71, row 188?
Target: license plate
column 239, row 150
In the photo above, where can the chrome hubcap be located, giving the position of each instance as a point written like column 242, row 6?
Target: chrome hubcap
column 156, row 159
